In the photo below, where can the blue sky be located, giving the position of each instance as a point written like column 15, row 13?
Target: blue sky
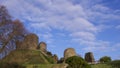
column 85, row 25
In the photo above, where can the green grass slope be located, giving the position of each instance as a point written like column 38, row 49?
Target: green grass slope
column 46, row 66
column 101, row 66
column 27, row 57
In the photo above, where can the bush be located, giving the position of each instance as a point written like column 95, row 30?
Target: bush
column 11, row 65
column 61, row 60
column 49, row 59
column 105, row 59
column 115, row 63
column 49, row 54
column 76, row 62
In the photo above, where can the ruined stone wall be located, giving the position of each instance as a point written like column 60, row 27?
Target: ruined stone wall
column 89, row 57
column 30, row 42
column 69, row 52
column 43, row 47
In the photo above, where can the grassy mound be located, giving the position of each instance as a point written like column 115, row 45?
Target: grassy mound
column 115, row 63
column 27, row 57
column 46, row 66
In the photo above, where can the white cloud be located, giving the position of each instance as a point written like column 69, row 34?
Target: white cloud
column 45, row 15
column 47, row 37
column 117, row 45
column 102, row 46
column 98, row 46
column 102, row 14
column 84, row 35
column 80, row 24
column 118, row 27
column 101, row 8
column 117, row 12
column 40, row 26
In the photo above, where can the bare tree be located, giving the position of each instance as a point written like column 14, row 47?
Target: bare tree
column 10, row 32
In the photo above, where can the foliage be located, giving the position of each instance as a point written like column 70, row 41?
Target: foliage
column 76, row 62
column 105, row 59
column 49, row 53
column 55, row 58
column 101, row 66
column 11, row 65
column 49, row 59
column 115, row 63
column 61, row 60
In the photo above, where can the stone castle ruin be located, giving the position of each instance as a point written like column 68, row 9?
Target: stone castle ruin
column 69, row 52
column 89, row 57
column 30, row 42
column 42, row 46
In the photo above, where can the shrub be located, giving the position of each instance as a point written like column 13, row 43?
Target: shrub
column 49, row 54
column 115, row 63
column 105, row 59
column 11, row 65
column 61, row 60
column 50, row 60
column 76, row 62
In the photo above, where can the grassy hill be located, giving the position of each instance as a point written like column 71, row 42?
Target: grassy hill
column 46, row 66
column 112, row 64
column 101, row 66
column 27, row 57
column 37, row 59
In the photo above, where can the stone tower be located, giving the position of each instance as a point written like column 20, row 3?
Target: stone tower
column 69, row 52
column 55, row 58
column 89, row 57
column 42, row 46
column 30, row 42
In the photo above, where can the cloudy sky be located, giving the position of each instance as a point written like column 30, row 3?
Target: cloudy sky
column 85, row 25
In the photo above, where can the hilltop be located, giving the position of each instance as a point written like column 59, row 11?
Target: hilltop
column 27, row 57
column 30, row 52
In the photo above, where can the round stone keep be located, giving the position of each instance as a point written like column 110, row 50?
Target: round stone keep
column 43, row 47
column 69, row 52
